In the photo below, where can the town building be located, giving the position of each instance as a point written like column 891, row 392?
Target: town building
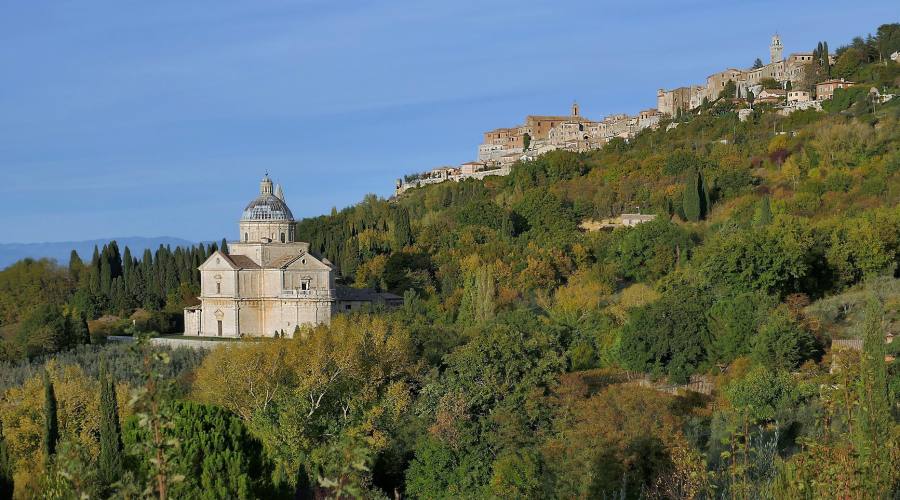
column 825, row 90
column 470, row 167
column 792, row 69
column 267, row 282
column 797, row 96
column 771, row 96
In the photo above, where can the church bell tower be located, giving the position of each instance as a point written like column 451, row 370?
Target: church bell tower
column 776, row 50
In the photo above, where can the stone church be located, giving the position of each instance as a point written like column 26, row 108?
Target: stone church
column 268, row 282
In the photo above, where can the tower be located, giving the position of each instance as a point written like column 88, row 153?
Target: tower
column 575, row 108
column 265, row 185
column 776, row 50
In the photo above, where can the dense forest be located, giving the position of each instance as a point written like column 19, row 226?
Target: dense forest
column 737, row 346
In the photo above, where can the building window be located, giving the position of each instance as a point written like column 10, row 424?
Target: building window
column 348, row 307
column 304, row 285
column 246, row 237
column 219, row 326
column 282, row 237
column 218, row 288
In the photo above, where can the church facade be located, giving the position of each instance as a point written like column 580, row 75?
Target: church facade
column 268, row 283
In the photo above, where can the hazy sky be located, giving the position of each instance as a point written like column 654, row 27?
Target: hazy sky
column 159, row 118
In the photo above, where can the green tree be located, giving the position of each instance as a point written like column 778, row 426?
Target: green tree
column 402, row 229
column 848, row 63
column 762, row 216
column 650, row 250
column 888, row 36
column 80, row 334
column 480, row 407
column 666, row 337
column 782, row 343
column 757, row 63
column 51, row 422
column 76, row 266
column 733, row 321
column 681, row 161
column 217, row 456
column 762, row 395
column 478, row 297
column 516, row 475
column 873, row 431
column 7, row 486
column 110, row 462
column 695, row 198
column 775, row 259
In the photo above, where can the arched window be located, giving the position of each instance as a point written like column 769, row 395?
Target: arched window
column 218, row 288
column 282, row 237
column 246, row 237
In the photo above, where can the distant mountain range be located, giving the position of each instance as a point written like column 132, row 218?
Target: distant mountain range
column 60, row 250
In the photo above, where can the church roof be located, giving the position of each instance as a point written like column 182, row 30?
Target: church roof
column 242, row 261
column 267, row 207
column 285, row 260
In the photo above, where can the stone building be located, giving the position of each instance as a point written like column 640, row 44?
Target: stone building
column 825, row 90
column 268, row 282
column 669, row 102
column 539, row 126
column 792, row 69
column 797, row 96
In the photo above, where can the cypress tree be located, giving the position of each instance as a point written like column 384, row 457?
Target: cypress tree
column 75, row 265
column 81, row 334
column 874, row 421
column 402, row 229
column 693, row 195
column 106, row 275
column 110, row 461
column 304, row 489
column 763, row 214
column 6, row 470
column 224, row 246
column 51, row 424
column 95, row 272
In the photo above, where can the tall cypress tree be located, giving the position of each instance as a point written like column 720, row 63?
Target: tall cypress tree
column 106, row 275
column 763, row 213
column 51, row 424
column 402, row 229
column 6, row 470
column 693, row 194
column 95, row 272
column 81, row 334
column 874, row 421
column 75, row 266
column 115, row 259
column 110, row 462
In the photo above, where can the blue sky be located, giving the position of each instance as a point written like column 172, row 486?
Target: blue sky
column 159, row 118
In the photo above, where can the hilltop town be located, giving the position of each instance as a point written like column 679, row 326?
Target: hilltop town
column 799, row 81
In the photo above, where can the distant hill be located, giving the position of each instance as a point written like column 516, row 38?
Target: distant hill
column 60, row 250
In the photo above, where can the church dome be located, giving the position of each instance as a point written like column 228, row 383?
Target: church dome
column 267, row 206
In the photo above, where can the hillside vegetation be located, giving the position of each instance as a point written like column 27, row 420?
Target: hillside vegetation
column 530, row 358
